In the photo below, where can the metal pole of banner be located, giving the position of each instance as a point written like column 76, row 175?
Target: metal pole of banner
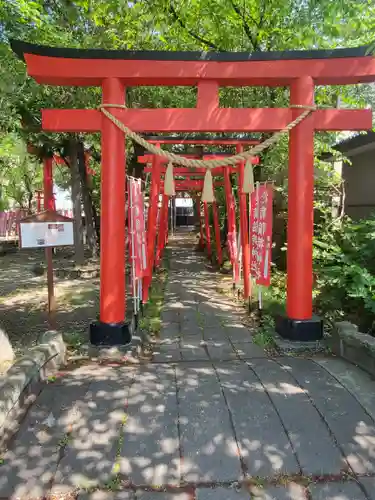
column 175, row 216
column 131, row 212
column 48, row 205
column 239, row 257
column 260, row 303
column 171, row 199
column 140, row 303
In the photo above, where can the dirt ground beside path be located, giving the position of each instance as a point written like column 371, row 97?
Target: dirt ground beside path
column 23, row 299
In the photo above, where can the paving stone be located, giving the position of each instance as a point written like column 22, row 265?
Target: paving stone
column 358, row 382
column 369, row 484
column 208, row 445
column 152, row 495
column 150, row 449
column 193, row 341
column 248, row 350
column 213, row 322
column 172, row 341
column 167, row 353
column 107, row 495
column 264, row 445
column 336, row 491
column 170, row 315
column 172, row 305
column 190, row 329
column 245, row 339
column 352, row 427
column 224, row 309
column 220, row 351
column 91, row 451
column 189, row 314
column 292, row 491
column 221, row 494
column 215, row 334
column 169, row 330
column 237, row 332
column 301, row 420
column 33, row 456
column 192, row 353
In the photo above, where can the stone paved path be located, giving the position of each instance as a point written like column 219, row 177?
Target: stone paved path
column 210, row 411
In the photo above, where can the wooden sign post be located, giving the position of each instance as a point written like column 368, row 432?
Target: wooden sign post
column 47, row 229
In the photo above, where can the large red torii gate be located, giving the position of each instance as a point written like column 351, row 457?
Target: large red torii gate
column 115, row 70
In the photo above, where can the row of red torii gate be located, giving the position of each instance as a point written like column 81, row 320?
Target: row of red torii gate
column 192, row 180
column 113, row 71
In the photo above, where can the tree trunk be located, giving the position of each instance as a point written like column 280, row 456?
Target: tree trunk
column 136, row 169
column 87, row 200
column 29, row 202
column 76, row 201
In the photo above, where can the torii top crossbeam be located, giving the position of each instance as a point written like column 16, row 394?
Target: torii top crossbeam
column 301, row 71
column 86, row 67
column 89, row 67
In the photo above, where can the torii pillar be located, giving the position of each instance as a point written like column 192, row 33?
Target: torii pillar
column 111, row 329
column 300, row 323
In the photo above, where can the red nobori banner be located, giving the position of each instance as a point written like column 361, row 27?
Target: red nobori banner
column 261, row 234
column 137, row 231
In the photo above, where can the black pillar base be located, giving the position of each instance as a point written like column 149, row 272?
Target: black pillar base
column 303, row 330
column 111, row 334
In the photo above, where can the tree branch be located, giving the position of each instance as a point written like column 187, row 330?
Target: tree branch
column 253, row 38
column 263, row 13
column 197, row 37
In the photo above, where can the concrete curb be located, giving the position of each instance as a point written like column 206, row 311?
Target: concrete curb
column 354, row 346
column 21, row 384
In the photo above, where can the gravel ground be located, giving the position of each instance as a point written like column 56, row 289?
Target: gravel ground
column 23, row 299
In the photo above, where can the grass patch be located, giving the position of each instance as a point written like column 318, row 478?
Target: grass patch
column 74, row 340
column 151, row 320
column 264, row 336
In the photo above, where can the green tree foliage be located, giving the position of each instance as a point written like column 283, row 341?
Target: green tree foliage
column 344, row 253
column 18, row 173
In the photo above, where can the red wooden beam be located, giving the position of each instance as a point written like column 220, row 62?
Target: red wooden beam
column 188, row 120
column 189, row 172
column 163, row 228
column 60, row 161
column 147, row 158
column 203, row 142
column 92, row 72
column 151, row 228
column 191, row 184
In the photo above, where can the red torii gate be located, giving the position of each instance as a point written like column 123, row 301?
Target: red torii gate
column 231, row 216
column 181, row 186
column 114, row 70
column 47, row 191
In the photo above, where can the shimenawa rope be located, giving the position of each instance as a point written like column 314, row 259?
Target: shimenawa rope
column 222, row 162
